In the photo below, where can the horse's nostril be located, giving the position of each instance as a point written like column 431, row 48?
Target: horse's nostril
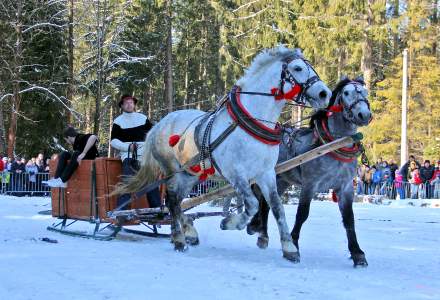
column 361, row 116
column 323, row 94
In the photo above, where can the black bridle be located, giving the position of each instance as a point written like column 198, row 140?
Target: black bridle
column 287, row 76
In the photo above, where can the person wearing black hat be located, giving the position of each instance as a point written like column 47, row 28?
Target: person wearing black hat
column 128, row 135
column 84, row 147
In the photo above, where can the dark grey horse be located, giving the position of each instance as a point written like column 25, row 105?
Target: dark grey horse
column 333, row 171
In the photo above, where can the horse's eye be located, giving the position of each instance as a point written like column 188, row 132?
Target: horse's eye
column 298, row 69
column 346, row 93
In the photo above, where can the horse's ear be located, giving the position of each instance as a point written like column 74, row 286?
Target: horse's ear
column 343, row 77
column 298, row 52
column 360, row 79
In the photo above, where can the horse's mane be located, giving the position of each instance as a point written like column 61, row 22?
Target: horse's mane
column 267, row 56
column 321, row 114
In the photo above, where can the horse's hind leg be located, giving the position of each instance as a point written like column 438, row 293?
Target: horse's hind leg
column 182, row 228
column 177, row 235
column 345, row 203
column 268, row 188
column 190, row 232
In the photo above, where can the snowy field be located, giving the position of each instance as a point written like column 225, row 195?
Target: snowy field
column 402, row 246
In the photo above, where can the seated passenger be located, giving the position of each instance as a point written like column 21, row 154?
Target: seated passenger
column 84, row 147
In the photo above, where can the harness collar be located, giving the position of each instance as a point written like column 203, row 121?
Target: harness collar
column 344, row 154
column 248, row 123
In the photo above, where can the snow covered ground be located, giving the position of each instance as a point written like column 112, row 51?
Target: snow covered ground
column 402, row 246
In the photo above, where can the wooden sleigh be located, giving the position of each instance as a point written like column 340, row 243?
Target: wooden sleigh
column 86, row 197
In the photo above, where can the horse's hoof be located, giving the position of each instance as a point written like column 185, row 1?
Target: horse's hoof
column 292, row 256
column 262, row 242
column 359, row 260
column 193, row 241
column 295, row 242
column 180, row 247
column 224, row 223
column 251, row 229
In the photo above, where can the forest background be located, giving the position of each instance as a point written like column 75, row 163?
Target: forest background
column 68, row 62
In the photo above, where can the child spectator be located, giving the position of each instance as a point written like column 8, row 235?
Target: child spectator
column 415, row 182
column 398, row 183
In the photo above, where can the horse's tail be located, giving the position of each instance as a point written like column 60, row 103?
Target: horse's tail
column 149, row 172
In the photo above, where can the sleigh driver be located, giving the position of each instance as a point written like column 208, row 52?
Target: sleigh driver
column 128, row 136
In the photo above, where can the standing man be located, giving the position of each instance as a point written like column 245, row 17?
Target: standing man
column 128, row 135
column 426, row 174
column 84, row 147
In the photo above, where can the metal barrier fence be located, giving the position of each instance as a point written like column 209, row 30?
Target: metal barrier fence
column 404, row 190
column 207, row 186
column 21, row 184
column 24, row 184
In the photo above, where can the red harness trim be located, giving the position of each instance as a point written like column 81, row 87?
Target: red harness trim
column 294, row 91
column 203, row 175
column 334, row 197
column 334, row 155
column 276, row 130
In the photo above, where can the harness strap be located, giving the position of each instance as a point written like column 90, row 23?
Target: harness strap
column 249, row 124
column 344, row 154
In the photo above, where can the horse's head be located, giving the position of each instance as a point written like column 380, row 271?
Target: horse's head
column 352, row 96
column 297, row 70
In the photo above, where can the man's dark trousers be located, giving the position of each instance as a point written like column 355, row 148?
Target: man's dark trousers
column 128, row 169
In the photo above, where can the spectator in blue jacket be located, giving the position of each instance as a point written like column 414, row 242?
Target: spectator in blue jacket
column 376, row 179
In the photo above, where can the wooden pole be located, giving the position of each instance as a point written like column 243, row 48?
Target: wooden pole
column 403, row 136
column 280, row 168
column 227, row 189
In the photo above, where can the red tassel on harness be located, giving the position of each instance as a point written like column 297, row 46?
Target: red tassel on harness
column 203, row 177
column 336, row 108
column 294, row 91
column 210, row 171
column 195, row 168
column 334, row 197
column 174, row 139
column 277, row 94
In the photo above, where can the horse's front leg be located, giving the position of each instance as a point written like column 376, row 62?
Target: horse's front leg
column 268, row 187
column 239, row 221
column 345, row 202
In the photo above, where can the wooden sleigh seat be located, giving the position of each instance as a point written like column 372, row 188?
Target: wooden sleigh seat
column 86, row 196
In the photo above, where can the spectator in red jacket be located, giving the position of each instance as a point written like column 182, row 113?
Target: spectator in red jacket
column 435, row 181
column 415, row 182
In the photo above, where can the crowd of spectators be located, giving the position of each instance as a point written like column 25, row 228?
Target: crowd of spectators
column 412, row 180
column 22, row 177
